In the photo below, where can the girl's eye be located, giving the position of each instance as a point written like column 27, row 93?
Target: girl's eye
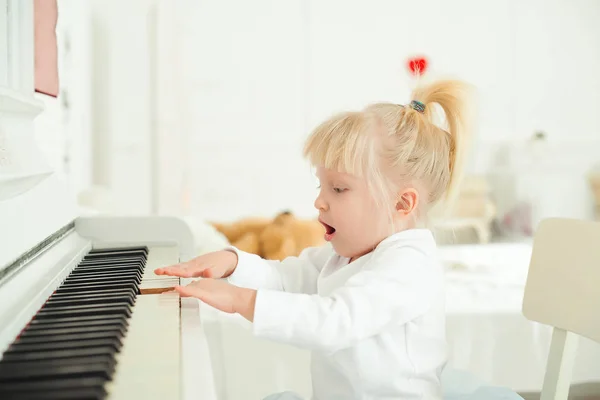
column 338, row 190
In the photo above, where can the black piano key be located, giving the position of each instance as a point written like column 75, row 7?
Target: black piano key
column 57, row 354
column 82, row 311
column 115, row 256
column 116, row 329
column 62, row 329
column 72, row 281
column 105, row 285
column 114, row 260
column 124, row 258
column 103, row 277
column 35, row 372
column 121, row 253
column 59, row 384
column 91, row 300
column 33, row 392
column 119, row 307
column 96, row 280
column 73, row 337
column 59, row 362
column 84, row 286
column 126, row 294
column 105, row 270
column 136, row 265
column 113, row 344
column 109, row 252
column 96, row 250
column 131, row 261
column 68, row 295
column 120, row 285
column 88, row 320
column 96, row 393
column 45, row 390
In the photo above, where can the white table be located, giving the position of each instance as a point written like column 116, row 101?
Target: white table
column 487, row 333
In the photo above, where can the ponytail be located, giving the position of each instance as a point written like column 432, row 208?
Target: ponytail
column 452, row 97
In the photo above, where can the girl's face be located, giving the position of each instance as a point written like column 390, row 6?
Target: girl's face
column 354, row 224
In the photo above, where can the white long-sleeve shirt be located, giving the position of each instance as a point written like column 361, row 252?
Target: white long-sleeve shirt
column 375, row 326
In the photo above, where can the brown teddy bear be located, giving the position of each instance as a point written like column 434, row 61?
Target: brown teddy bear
column 273, row 239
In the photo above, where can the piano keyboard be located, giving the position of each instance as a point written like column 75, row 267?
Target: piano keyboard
column 76, row 344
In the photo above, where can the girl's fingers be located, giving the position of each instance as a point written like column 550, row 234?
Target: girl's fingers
column 210, row 272
column 181, row 270
column 182, row 291
column 188, row 291
column 168, row 270
column 209, row 291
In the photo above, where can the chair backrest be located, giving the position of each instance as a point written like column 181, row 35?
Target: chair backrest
column 563, row 291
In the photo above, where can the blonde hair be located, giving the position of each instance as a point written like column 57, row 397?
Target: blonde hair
column 392, row 144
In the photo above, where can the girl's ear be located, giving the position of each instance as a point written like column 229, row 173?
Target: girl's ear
column 407, row 201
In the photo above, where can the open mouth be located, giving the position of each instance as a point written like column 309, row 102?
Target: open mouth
column 329, row 230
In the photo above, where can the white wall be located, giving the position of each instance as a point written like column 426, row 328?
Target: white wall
column 247, row 105
column 122, row 102
column 250, row 79
column 63, row 129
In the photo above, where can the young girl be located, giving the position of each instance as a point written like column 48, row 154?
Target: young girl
column 370, row 303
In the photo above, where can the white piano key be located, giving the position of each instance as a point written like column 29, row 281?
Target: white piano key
column 159, row 256
column 148, row 366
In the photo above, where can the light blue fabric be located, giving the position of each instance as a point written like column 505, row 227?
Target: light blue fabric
column 457, row 385
column 462, row 385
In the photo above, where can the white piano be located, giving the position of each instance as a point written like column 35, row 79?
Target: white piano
column 81, row 315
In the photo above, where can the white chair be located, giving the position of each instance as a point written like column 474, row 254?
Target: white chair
column 563, row 291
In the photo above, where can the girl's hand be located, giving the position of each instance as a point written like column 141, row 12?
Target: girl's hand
column 222, row 296
column 218, row 264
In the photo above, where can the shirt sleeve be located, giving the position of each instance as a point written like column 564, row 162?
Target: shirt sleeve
column 396, row 289
column 293, row 274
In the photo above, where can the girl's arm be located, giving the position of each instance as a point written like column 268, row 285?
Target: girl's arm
column 397, row 289
column 293, row 275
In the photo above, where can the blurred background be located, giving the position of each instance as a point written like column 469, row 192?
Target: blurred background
column 201, row 108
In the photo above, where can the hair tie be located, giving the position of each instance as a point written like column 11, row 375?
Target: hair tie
column 418, row 106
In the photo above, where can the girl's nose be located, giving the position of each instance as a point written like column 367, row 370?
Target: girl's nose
column 320, row 203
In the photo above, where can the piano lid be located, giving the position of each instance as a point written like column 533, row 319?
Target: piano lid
column 34, row 202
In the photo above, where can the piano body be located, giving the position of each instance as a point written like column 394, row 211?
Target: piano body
column 80, row 312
